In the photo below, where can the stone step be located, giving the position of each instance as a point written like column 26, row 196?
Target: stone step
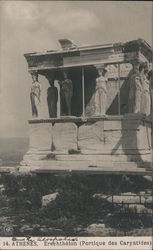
column 92, row 152
column 85, row 170
column 118, row 158
column 83, row 157
column 93, row 163
column 117, row 151
column 79, row 157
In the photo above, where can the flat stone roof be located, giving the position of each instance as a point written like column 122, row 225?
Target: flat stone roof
column 89, row 55
column 119, row 45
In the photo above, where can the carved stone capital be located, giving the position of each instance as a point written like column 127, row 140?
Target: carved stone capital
column 34, row 74
column 135, row 64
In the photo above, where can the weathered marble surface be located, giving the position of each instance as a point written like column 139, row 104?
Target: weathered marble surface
column 65, row 137
column 40, row 142
column 91, row 137
column 102, row 143
column 114, row 135
column 40, row 136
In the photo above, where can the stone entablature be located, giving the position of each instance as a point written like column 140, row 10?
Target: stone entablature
column 81, row 56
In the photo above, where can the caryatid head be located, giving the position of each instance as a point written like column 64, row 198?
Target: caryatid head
column 143, row 67
column 51, row 82
column 102, row 71
column 34, row 75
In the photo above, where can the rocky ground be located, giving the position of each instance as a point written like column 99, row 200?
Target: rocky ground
column 68, row 206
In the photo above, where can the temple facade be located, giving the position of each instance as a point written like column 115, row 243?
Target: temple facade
column 95, row 115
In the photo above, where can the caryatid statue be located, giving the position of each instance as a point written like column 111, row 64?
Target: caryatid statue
column 146, row 97
column 136, row 88
column 35, row 94
column 101, row 92
column 150, row 78
column 66, row 90
column 52, row 97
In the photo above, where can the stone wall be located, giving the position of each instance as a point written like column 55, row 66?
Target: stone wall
column 124, row 139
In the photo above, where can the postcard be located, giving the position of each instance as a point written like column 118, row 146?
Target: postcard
column 76, row 133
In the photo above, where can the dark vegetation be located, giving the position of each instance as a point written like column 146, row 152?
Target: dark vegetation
column 75, row 207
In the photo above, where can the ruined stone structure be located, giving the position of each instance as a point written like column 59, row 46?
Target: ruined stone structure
column 112, row 140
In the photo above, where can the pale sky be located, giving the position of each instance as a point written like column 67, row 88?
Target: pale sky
column 33, row 26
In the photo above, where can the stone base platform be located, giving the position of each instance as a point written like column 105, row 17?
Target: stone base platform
column 64, row 169
column 95, row 144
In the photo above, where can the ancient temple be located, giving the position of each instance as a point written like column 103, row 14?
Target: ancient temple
column 81, row 139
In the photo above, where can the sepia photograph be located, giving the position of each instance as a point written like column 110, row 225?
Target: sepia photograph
column 76, row 124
